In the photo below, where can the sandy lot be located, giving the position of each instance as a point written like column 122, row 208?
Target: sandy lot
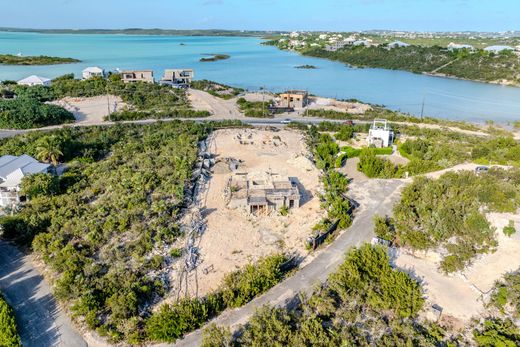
column 91, row 111
column 462, row 295
column 232, row 237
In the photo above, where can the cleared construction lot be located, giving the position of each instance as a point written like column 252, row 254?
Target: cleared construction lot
column 234, row 237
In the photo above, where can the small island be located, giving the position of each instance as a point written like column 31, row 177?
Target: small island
column 306, row 67
column 9, row 59
column 215, row 57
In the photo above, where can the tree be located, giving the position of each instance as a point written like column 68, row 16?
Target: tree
column 49, row 150
column 41, row 184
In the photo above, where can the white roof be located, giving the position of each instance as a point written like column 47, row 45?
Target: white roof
column 93, row 69
column 19, row 166
column 35, row 79
column 399, row 43
column 498, row 48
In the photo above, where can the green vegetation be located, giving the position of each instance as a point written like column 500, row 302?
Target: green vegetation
column 127, row 115
column 8, row 332
column 497, row 332
column 100, row 227
column 256, row 109
column 448, row 212
column 479, row 65
column 146, row 100
column 506, row 295
column 376, row 167
column 384, row 228
column 384, row 113
column 509, row 230
column 240, row 287
column 365, row 302
column 216, row 89
column 26, row 113
column 9, row 59
column 215, row 57
column 325, row 152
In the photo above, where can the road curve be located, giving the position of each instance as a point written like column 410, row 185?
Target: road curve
column 375, row 197
column 41, row 322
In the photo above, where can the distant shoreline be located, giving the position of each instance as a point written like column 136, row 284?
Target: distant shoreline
column 149, row 32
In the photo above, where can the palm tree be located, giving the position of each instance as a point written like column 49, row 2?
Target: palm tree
column 48, row 150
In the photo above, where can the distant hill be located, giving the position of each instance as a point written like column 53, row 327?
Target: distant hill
column 158, row 32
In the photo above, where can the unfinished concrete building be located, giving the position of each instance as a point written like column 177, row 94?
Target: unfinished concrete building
column 263, row 192
column 294, row 99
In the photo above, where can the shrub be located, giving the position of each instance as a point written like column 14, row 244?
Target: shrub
column 8, row 332
column 42, row 184
column 26, row 113
column 509, row 230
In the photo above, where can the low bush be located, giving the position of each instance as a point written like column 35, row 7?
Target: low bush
column 26, row 113
column 8, row 331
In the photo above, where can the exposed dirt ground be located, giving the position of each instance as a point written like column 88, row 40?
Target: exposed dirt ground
column 91, row 111
column 234, row 238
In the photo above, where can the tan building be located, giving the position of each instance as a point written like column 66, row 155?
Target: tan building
column 294, row 99
column 130, row 76
column 263, row 192
column 179, row 77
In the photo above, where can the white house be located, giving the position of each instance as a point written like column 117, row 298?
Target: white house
column 498, row 49
column 35, row 81
column 93, row 71
column 454, row 46
column 396, row 44
column 12, row 170
column 380, row 134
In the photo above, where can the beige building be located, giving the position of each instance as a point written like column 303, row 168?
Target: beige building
column 130, row 76
column 294, row 98
column 263, row 192
column 179, row 77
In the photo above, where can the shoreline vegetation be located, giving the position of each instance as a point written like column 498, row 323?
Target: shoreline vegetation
column 10, row 59
column 501, row 68
column 215, row 57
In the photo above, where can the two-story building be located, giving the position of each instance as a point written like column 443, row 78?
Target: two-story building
column 177, row 77
column 130, row 76
column 294, row 99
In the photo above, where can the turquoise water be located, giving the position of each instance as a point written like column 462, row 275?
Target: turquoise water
column 253, row 66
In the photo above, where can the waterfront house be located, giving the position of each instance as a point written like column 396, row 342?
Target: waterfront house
column 498, row 49
column 294, row 99
column 12, row 170
column 177, row 77
column 93, row 71
column 35, row 81
column 130, row 76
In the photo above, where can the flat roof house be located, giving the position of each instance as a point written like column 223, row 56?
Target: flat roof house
column 294, row 99
column 130, row 76
column 177, row 77
column 380, row 134
column 35, row 81
column 93, row 71
column 12, row 170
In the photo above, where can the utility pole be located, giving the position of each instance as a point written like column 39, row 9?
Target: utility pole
column 422, row 108
column 108, row 102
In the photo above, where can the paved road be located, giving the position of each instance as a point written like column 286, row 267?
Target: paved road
column 40, row 320
column 375, row 197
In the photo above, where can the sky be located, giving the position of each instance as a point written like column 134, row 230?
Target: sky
column 327, row 15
